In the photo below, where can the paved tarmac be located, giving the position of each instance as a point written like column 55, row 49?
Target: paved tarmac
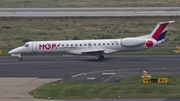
column 127, row 11
column 18, row 88
column 67, row 66
column 70, row 68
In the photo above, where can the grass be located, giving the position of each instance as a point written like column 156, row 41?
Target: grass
column 4, row 52
column 130, row 87
column 88, row 3
column 152, row 51
column 15, row 31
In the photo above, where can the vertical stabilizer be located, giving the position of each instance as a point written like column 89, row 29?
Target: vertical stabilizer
column 160, row 30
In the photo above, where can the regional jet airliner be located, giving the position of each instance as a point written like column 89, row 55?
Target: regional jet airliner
column 97, row 48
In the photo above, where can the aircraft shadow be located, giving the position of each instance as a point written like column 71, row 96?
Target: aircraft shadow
column 94, row 60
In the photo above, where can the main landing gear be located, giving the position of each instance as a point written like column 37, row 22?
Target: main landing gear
column 100, row 57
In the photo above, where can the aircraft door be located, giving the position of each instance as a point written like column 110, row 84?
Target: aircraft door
column 89, row 45
column 34, row 47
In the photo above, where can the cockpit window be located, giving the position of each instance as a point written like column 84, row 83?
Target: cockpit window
column 26, row 45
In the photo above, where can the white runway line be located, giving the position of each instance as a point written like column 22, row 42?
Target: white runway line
column 78, row 75
column 108, row 73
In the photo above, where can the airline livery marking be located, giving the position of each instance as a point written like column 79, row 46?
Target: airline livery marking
column 49, row 46
column 149, row 43
column 159, row 31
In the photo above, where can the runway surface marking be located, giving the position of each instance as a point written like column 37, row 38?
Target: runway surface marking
column 111, row 65
column 114, row 72
column 108, row 73
column 22, row 62
column 78, row 75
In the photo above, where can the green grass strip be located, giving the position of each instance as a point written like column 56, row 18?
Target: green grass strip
column 15, row 31
column 130, row 87
column 151, row 51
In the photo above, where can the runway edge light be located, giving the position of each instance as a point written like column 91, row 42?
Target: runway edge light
column 145, row 74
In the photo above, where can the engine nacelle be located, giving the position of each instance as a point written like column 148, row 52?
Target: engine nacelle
column 130, row 42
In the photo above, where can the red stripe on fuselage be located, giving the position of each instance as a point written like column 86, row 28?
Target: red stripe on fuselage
column 159, row 31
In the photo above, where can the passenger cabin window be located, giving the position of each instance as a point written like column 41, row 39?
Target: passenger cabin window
column 103, row 43
column 94, row 44
column 99, row 44
column 26, row 45
column 107, row 43
column 71, row 44
column 67, row 45
column 116, row 43
column 75, row 44
column 62, row 45
column 112, row 43
column 80, row 44
column 84, row 44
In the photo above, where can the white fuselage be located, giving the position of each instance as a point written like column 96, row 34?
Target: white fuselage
column 83, row 46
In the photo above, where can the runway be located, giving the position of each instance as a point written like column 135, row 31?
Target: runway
column 69, row 68
column 59, row 12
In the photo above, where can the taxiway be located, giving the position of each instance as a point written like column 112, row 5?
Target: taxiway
column 127, row 11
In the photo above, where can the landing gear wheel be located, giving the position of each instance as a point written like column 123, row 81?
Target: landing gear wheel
column 20, row 58
column 101, row 57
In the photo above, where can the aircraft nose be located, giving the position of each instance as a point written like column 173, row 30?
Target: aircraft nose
column 15, row 51
column 12, row 51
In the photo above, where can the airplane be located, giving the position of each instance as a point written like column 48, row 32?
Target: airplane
column 177, row 50
column 97, row 48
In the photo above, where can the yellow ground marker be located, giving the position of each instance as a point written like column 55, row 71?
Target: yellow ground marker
column 0, row 52
column 162, row 80
column 146, row 80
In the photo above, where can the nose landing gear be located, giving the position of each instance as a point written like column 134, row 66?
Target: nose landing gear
column 20, row 58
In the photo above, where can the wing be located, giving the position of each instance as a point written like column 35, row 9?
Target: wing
column 87, row 51
column 93, row 52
